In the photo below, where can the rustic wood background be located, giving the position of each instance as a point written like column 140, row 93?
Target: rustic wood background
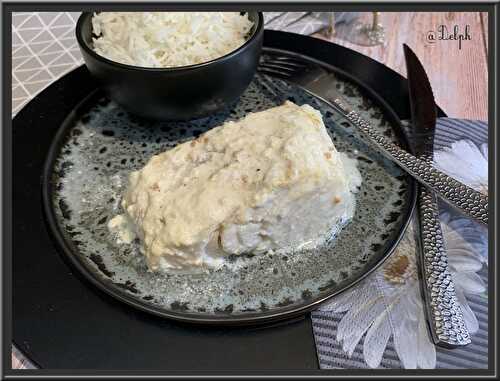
column 459, row 78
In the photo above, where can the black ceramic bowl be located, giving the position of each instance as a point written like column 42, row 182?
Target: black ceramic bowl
column 179, row 93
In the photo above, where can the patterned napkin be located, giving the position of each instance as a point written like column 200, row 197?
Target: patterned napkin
column 380, row 322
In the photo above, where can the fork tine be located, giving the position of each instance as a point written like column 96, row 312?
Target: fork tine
column 273, row 72
column 280, row 67
column 290, row 65
column 291, row 60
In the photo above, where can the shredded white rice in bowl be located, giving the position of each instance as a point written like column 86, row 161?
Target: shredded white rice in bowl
column 168, row 39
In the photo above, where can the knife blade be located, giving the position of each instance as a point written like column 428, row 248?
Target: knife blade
column 444, row 314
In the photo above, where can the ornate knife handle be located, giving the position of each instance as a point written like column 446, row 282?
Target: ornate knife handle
column 469, row 201
column 444, row 314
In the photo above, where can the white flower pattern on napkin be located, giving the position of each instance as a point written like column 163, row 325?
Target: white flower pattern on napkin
column 466, row 162
column 388, row 303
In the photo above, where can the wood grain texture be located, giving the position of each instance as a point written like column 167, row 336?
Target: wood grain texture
column 459, row 77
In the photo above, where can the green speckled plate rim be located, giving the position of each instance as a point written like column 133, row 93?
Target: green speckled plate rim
column 250, row 318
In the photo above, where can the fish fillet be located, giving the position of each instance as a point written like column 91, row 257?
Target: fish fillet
column 269, row 181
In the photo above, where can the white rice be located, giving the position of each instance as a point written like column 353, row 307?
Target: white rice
column 168, row 39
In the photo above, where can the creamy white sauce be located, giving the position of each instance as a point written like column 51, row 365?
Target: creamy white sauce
column 272, row 181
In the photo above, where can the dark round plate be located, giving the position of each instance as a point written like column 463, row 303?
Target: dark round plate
column 54, row 309
column 99, row 144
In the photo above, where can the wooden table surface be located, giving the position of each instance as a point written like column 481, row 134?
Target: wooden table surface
column 459, row 77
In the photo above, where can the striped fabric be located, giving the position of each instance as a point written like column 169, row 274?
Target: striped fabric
column 450, row 130
column 473, row 356
column 331, row 355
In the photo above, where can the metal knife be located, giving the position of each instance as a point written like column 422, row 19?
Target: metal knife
column 444, row 314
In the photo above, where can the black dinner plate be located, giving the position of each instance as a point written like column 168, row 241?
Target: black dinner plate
column 60, row 320
column 100, row 144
